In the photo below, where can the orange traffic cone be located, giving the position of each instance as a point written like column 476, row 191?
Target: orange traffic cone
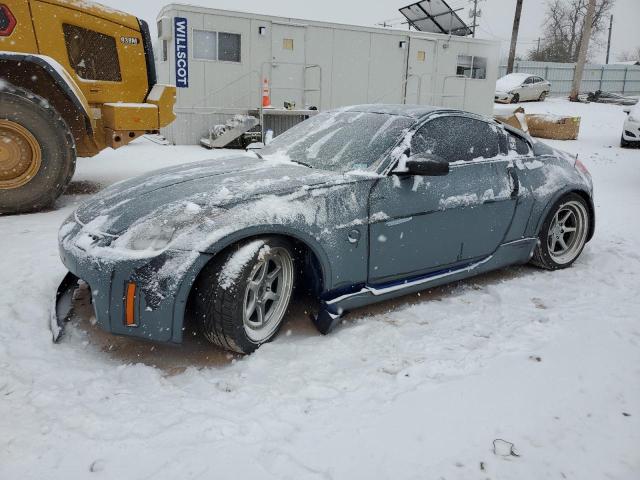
column 266, row 98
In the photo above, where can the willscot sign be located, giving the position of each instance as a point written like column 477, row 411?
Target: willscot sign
column 182, row 52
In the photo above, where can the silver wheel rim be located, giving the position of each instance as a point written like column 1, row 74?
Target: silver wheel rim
column 267, row 294
column 567, row 232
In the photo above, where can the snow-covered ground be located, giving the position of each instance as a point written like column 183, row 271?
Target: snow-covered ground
column 418, row 387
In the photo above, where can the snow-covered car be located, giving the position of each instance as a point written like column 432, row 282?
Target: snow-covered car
column 631, row 128
column 519, row 87
column 357, row 205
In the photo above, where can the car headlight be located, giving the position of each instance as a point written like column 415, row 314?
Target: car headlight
column 157, row 232
column 153, row 237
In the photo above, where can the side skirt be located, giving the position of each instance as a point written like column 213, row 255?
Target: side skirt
column 333, row 308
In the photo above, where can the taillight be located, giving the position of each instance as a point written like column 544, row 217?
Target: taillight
column 581, row 166
column 7, row 21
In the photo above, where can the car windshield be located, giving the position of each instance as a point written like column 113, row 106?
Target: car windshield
column 339, row 141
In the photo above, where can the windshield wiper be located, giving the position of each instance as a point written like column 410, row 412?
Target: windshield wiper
column 302, row 163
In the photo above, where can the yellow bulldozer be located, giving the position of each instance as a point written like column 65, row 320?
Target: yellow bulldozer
column 75, row 77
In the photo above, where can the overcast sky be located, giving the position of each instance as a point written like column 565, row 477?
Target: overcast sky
column 495, row 23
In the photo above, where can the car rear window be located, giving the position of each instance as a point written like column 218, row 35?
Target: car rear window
column 518, row 145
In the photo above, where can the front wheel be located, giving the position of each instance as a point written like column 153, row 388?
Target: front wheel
column 242, row 297
column 543, row 95
column 563, row 234
column 515, row 98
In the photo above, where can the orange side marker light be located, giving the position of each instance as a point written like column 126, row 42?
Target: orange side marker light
column 130, row 303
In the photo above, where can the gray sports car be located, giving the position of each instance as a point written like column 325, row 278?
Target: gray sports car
column 357, row 205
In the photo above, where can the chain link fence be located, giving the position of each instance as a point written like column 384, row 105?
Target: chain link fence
column 624, row 79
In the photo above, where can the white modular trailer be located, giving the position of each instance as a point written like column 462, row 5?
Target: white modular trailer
column 219, row 59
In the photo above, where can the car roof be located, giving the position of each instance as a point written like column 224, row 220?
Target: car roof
column 412, row 111
column 519, row 75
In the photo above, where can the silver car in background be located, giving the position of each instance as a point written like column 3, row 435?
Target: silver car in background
column 519, row 87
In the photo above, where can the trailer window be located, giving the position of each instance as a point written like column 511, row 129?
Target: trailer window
column 229, row 47
column 205, row 45
column 92, row 55
column 222, row 46
column 287, row 43
column 472, row 67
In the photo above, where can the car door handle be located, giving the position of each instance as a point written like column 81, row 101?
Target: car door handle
column 515, row 183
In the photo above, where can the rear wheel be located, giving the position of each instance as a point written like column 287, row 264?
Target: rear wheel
column 37, row 152
column 515, row 98
column 240, row 299
column 563, row 234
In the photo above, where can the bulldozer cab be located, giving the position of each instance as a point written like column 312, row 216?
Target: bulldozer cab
column 102, row 49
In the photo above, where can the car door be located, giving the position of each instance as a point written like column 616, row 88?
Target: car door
column 528, row 89
column 421, row 224
column 538, row 85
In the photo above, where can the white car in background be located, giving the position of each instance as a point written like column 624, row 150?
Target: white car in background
column 518, row 87
column 631, row 128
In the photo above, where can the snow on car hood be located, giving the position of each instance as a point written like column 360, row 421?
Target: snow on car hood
column 209, row 184
column 509, row 82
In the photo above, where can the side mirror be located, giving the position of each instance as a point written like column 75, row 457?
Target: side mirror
column 428, row 165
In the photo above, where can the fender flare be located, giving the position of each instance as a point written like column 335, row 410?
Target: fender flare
column 558, row 195
column 207, row 254
column 59, row 77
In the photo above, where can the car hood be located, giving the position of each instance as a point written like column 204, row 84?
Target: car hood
column 210, row 184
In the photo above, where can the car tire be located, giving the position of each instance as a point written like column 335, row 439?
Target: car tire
column 564, row 233
column 240, row 298
column 624, row 143
column 47, row 156
column 542, row 97
column 515, row 98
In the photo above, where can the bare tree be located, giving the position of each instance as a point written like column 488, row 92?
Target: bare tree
column 563, row 27
column 629, row 55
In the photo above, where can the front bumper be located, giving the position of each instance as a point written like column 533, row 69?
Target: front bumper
column 502, row 97
column 163, row 283
column 631, row 131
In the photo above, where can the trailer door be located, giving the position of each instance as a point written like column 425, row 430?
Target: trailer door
column 288, row 65
column 421, row 67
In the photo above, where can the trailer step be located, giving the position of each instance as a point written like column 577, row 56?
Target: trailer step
column 222, row 135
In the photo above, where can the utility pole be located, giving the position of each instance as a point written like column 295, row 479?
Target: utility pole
column 514, row 36
column 538, row 48
column 582, row 54
column 609, row 39
column 474, row 14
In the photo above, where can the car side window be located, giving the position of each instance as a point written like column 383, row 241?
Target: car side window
column 518, row 145
column 528, row 81
column 456, row 138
